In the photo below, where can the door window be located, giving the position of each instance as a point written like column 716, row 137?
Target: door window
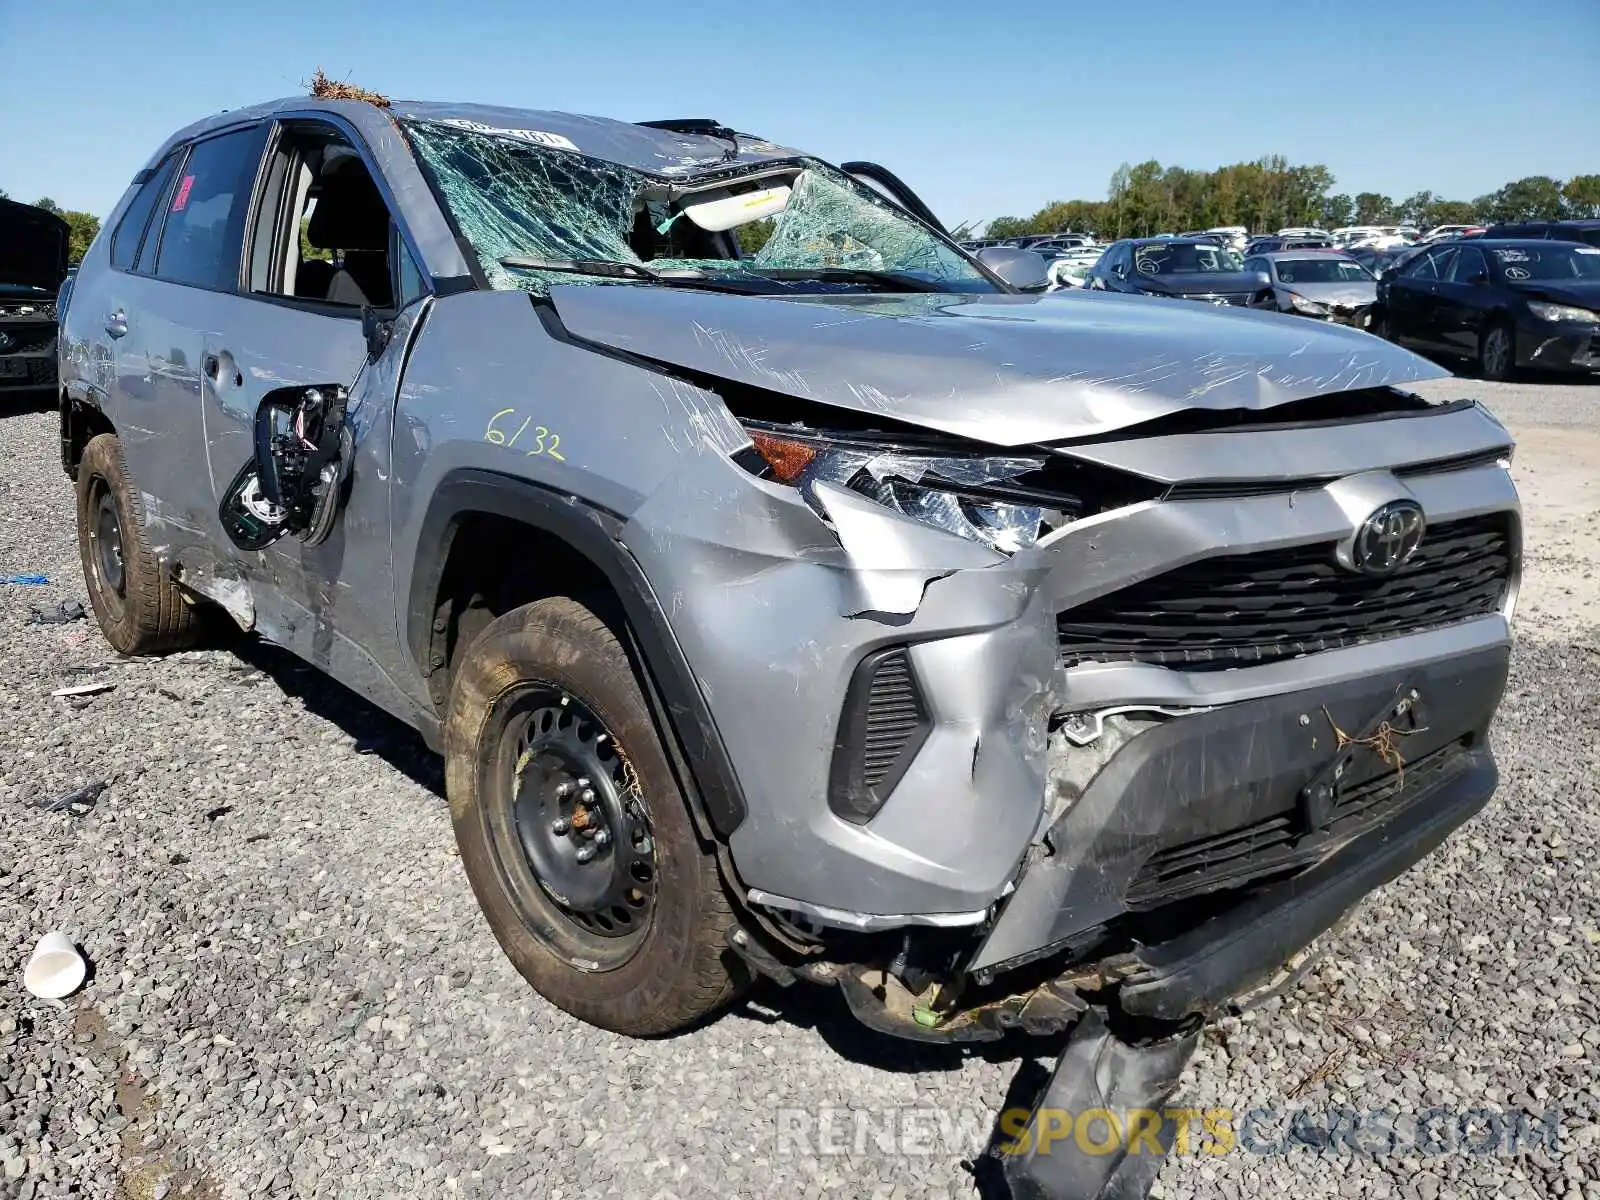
column 325, row 233
column 1468, row 265
column 1443, row 259
column 205, row 217
column 1423, row 267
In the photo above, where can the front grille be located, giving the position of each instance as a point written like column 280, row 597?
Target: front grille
column 42, row 372
column 1246, row 609
column 1283, row 842
column 1221, row 297
column 23, row 339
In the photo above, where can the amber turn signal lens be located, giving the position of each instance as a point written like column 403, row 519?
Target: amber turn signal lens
column 787, row 459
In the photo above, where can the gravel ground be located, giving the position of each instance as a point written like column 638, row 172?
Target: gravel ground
column 293, row 992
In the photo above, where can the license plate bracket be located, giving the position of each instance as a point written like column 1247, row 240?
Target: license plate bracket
column 1400, row 715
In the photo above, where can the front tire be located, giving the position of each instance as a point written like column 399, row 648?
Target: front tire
column 575, row 838
column 1497, row 352
column 139, row 608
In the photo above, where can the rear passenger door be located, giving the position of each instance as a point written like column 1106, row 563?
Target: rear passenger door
column 1464, row 299
column 1409, row 299
column 159, row 306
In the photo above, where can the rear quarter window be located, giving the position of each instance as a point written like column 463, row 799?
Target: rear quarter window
column 130, row 230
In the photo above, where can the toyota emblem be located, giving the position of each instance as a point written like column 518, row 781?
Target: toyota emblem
column 1387, row 538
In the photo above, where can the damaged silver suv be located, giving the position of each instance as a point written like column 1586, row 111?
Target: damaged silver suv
column 788, row 592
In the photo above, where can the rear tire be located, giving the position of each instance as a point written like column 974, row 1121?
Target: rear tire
column 139, row 608
column 1497, row 351
column 545, row 709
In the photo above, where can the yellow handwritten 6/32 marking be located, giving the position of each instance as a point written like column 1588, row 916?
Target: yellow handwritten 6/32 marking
column 544, row 442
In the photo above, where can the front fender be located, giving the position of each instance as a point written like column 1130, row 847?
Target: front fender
column 594, row 533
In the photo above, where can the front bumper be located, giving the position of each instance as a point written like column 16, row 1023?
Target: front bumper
column 1356, row 316
column 1558, row 346
column 1262, row 788
column 27, row 356
column 1214, row 962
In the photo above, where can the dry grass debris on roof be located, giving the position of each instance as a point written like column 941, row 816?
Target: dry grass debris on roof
column 324, row 88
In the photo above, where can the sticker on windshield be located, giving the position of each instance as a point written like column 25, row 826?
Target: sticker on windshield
column 181, row 200
column 1148, row 266
column 1511, row 255
column 1518, row 273
column 537, row 137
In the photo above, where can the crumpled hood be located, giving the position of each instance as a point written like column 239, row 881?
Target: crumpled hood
column 1004, row 369
column 1335, row 293
column 33, row 247
column 1202, row 283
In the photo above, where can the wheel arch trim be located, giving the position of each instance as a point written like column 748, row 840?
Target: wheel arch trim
column 593, row 533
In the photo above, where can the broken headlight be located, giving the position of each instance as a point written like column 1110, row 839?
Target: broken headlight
column 992, row 500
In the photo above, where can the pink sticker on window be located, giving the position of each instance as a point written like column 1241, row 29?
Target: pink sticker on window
column 182, row 198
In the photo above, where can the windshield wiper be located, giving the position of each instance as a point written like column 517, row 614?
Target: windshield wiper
column 610, row 268
column 607, row 268
column 902, row 282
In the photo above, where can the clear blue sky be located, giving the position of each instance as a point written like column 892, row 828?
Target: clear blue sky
column 985, row 108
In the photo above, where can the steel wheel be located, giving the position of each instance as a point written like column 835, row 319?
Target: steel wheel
column 584, row 834
column 105, row 540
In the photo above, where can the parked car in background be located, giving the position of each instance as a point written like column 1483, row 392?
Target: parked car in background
column 1291, row 241
column 1063, row 242
column 1072, row 268
column 1174, row 267
column 1377, row 237
column 1440, row 232
column 1354, row 235
column 1578, row 230
column 1378, row 261
column 1502, row 303
column 1234, row 237
column 1330, row 287
column 33, row 268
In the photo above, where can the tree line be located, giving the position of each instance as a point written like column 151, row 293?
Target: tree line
column 83, row 225
column 1271, row 194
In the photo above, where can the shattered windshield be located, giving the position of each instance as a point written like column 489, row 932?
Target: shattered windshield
column 538, row 216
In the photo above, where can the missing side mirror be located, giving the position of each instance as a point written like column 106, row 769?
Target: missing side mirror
column 377, row 326
column 294, row 483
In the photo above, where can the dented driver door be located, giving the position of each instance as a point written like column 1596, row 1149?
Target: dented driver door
column 322, row 594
